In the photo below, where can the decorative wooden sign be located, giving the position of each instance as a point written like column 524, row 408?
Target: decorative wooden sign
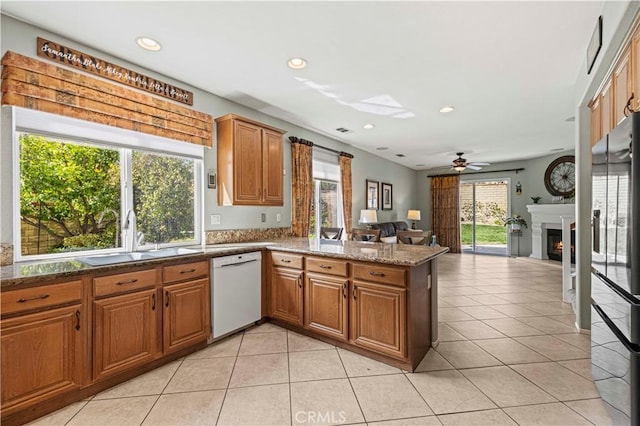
column 75, row 58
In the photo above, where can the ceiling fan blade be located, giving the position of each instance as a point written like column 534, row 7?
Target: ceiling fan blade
column 473, row 167
column 475, row 163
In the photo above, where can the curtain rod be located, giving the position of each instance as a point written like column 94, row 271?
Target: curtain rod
column 295, row 139
column 477, row 173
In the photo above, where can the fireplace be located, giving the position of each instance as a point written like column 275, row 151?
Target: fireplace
column 554, row 245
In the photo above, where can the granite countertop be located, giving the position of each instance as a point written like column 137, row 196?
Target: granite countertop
column 32, row 272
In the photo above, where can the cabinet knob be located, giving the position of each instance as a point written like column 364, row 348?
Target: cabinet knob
column 355, row 289
column 325, row 266
column 376, row 274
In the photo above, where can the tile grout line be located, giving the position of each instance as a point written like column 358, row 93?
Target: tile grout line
column 224, row 397
column 289, row 382
column 355, row 395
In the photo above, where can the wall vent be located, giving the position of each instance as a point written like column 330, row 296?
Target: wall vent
column 400, row 155
column 343, row 130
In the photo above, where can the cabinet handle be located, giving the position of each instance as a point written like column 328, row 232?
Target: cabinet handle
column 355, row 288
column 77, row 320
column 300, row 283
column 285, row 261
column 325, row 266
column 376, row 274
column 188, row 271
column 153, row 302
column 131, row 281
column 166, row 299
column 344, row 290
column 43, row 296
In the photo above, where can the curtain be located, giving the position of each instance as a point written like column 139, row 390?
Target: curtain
column 347, row 191
column 301, row 185
column 445, row 211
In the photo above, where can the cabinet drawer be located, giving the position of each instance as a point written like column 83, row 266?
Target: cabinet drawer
column 185, row 271
column 327, row 266
column 379, row 274
column 119, row 283
column 41, row 297
column 287, row 260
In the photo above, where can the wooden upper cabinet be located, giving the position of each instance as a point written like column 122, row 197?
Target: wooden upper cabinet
column 622, row 90
column 596, row 121
column 272, row 167
column 606, row 107
column 42, row 356
column 635, row 69
column 250, row 162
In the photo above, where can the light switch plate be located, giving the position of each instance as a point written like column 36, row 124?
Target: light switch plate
column 278, row 217
column 263, row 217
column 215, row 219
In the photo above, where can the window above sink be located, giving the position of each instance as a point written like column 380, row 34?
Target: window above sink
column 74, row 187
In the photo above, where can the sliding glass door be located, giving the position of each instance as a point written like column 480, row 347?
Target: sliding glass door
column 483, row 207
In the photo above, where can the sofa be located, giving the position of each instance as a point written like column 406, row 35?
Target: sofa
column 389, row 229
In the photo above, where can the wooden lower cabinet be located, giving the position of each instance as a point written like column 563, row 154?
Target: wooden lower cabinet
column 125, row 332
column 326, row 305
column 42, row 356
column 186, row 317
column 287, row 295
column 378, row 318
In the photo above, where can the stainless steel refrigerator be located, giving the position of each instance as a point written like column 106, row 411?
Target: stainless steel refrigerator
column 615, row 267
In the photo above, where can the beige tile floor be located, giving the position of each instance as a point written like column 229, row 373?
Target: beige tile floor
column 509, row 354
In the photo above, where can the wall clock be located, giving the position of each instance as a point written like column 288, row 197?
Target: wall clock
column 560, row 177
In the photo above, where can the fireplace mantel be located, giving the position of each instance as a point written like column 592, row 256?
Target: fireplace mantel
column 553, row 216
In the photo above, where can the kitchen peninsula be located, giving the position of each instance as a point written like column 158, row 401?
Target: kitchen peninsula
column 377, row 299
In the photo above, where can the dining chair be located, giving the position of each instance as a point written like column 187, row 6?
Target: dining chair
column 370, row 235
column 330, row 233
column 413, row 237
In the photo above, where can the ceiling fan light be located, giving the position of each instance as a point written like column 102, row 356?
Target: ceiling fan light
column 458, row 168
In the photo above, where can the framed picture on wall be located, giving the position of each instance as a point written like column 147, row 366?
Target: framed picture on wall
column 387, row 196
column 372, row 194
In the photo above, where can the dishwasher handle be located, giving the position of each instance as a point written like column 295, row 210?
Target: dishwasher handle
column 238, row 263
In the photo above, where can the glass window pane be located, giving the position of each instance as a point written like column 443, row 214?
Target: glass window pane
column 328, row 203
column 69, row 196
column 163, row 197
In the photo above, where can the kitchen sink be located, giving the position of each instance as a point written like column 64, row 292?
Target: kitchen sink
column 110, row 259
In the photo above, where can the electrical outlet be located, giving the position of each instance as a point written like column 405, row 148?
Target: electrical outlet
column 215, row 219
column 278, row 217
column 263, row 217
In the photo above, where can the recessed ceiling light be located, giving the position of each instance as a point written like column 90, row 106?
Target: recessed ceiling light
column 570, row 119
column 382, row 148
column 419, row 165
column 369, row 126
column 296, row 63
column 557, row 149
column 446, row 109
column 148, row 43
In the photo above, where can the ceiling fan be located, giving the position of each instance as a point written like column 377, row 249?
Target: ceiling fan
column 459, row 164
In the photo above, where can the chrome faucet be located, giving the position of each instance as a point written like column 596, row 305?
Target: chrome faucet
column 134, row 238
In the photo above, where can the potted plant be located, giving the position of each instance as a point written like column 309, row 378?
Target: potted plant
column 516, row 222
column 535, row 199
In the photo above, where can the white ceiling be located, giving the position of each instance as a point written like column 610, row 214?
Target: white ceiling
column 508, row 68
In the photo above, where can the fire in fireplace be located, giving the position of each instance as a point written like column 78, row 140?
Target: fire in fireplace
column 554, row 245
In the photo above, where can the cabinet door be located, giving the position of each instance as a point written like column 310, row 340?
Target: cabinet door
column 621, row 86
column 596, row 122
column 606, row 107
column 125, row 331
column 286, row 295
column 325, row 305
column 378, row 318
column 186, row 314
column 247, row 163
column 42, row 356
column 272, row 168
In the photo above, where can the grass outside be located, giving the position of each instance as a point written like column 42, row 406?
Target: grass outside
column 485, row 234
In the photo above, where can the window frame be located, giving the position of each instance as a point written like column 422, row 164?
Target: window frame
column 316, row 192
column 125, row 141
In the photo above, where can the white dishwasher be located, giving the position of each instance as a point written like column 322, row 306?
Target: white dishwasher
column 236, row 287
